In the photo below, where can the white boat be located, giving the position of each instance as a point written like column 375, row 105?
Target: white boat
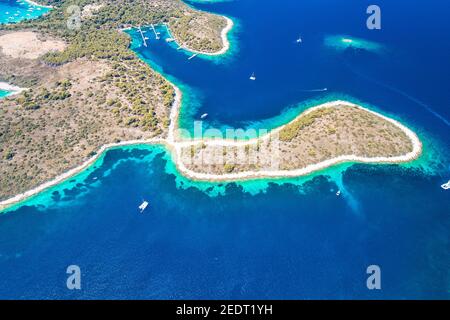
column 170, row 40
column 143, row 206
column 203, row 116
column 299, row 40
column 446, row 186
column 253, row 77
column 193, row 56
column 338, row 193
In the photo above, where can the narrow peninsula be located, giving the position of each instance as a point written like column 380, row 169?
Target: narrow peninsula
column 87, row 91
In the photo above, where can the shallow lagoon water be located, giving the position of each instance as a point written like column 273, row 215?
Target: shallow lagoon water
column 287, row 238
column 4, row 93
column 286, row 242
column 14, row 11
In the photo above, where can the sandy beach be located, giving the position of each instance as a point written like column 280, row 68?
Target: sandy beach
column 13, row 89
column 37, row 4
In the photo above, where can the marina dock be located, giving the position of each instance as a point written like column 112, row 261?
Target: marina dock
column 144, row 39
column 154, row 30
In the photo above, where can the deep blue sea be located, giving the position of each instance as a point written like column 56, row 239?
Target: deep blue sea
column 294, row 238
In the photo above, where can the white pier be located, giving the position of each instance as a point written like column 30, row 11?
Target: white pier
column 156, row 33
column 144, row 39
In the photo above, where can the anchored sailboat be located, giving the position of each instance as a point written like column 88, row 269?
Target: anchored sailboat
column 253, row 77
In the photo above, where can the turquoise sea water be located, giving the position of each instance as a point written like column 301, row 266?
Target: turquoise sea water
column 4, row 93
column 17, row 10
column 285, row 238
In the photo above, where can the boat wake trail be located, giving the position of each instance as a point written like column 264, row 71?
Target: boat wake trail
column 316, row 90
column 404, row 94
column 420, row 103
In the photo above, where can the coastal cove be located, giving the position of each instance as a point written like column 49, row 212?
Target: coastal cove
column 256, row 233
column 315, row 192
column 4, row 93
column 7, row 89
column 12, row 11
column 174, row 145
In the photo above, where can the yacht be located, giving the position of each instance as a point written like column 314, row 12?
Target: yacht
column 143, row 206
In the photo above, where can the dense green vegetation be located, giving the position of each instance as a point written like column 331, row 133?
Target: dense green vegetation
column 96, row 91
column 291, row 130
column 99, row 38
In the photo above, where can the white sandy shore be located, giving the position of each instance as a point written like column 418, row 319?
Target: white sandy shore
column 37, row 4
column 174, row 112
column 13, row 89
column 68, row 174
column 414, row 154
column 175, row 145
column 225, row 41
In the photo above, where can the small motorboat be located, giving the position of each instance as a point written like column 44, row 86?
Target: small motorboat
column 193, row 56
column 446, row 186
column 338, row 193
column 203, row 116
column 143, row 206
column 253, row 77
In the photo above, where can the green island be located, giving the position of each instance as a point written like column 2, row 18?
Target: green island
column 86, row 89
column 91, row 91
